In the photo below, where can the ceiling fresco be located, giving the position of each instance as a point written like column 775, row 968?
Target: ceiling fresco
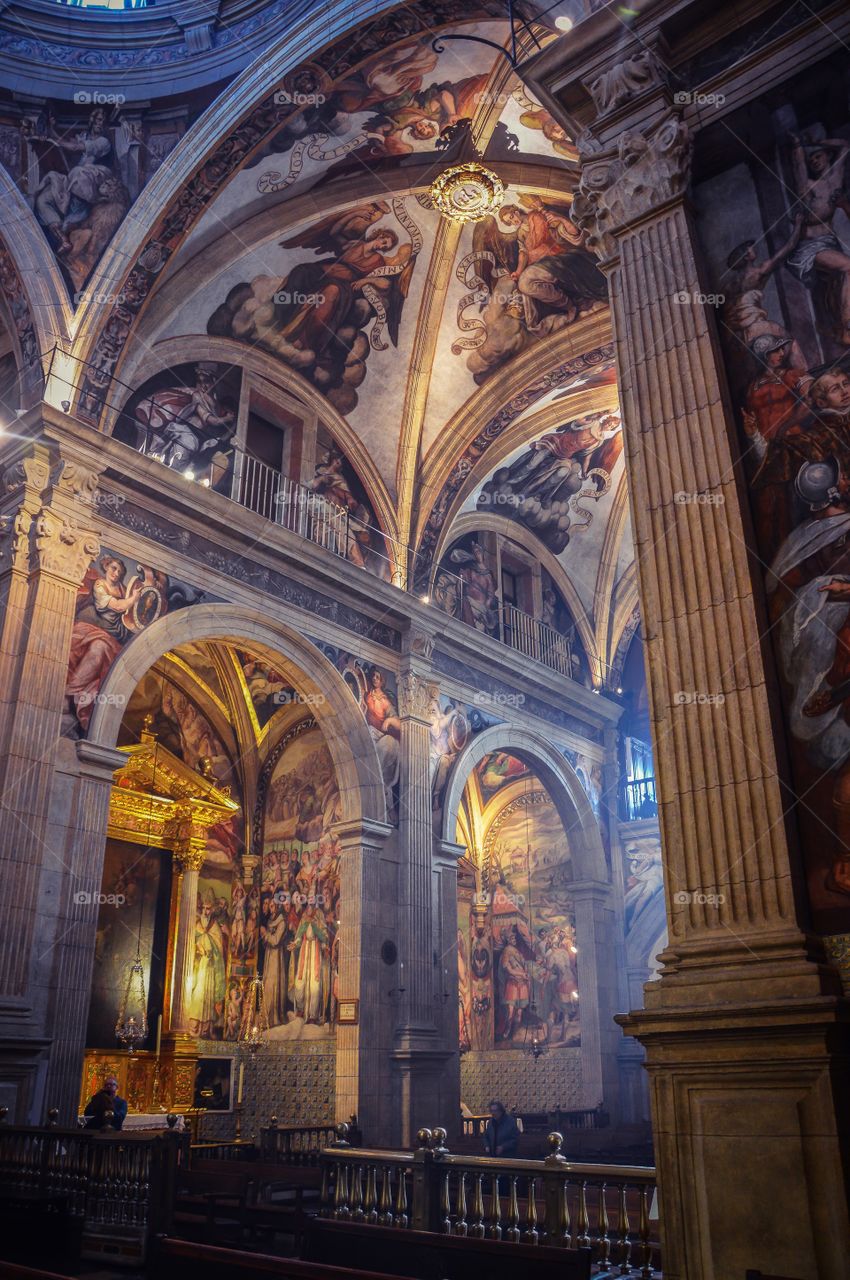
column 289, row 234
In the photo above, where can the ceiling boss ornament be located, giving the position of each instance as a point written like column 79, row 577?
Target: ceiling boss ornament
column 467, row 192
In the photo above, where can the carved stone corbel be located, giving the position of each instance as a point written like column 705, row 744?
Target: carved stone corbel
column 76, row 480
column 626, row 80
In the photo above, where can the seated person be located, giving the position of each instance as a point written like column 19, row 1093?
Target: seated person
column 106, row 1099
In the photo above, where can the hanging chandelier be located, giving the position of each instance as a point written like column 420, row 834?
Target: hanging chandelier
column 467, row 192
column 254, row 1028
column 131, row 1029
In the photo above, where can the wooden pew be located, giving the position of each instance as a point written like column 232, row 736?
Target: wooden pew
column 214, row 1201
column 185, row 1260
column 11, row 1271
column 429, row 1256
column 279, row 1198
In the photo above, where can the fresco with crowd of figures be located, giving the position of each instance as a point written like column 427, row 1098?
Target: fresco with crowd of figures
column 299, row 904
column 517, row 958
column 773, row 201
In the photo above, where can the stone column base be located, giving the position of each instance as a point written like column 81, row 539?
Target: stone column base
column 748, row 1102
column 428, row 1091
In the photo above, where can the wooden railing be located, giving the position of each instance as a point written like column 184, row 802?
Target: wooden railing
column 121, row 1185
column 299, row 1144
column 607, row 1208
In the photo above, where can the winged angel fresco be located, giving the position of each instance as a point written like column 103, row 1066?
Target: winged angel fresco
column 316, row 317
column 530, row 275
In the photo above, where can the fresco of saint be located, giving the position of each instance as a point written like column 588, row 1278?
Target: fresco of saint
column 785, row 328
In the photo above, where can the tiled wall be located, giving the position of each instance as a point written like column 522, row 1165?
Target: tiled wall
column 520, row 1082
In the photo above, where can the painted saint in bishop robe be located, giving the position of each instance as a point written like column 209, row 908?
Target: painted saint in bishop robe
column 311, row 974
column 206, row 1001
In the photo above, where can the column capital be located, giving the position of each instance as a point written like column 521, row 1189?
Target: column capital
column 61, row 548
column 358, row 833
column 97, row 761
column 447, row 853
column 641, row 174
column 416, row 693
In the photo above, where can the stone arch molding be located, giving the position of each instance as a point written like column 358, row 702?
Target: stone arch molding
column 560, row 780
column 358, row 769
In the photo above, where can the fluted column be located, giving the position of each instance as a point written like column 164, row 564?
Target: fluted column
column 189, row 856
column 739, row 1030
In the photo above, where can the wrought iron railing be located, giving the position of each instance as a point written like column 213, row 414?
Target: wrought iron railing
column 610, row 1209
column 536, row 639
column 638, row 800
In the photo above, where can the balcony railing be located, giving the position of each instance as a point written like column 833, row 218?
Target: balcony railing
column 638, row 800
column 536, row 639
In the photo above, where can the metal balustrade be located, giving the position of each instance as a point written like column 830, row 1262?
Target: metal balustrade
column 536, row 639
column 606, row 1208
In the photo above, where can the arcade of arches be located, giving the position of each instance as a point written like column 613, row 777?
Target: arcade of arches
column 423, row 637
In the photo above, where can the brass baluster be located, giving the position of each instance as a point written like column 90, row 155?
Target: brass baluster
column 357, row 1194
column 385, row 1206
column 602, row 1224
column 476, row 1226
column 624, row 1233
column 371, row 1211
column 643, row 1236
column 401, row 1199
column 445, row 1204
column 325, row 1207
column 495, row 1229
column 582, row 1218
column 461, row 1228
column 512, row 1231
column 531, row 1234
column 341, row 1198
column 563, row 1220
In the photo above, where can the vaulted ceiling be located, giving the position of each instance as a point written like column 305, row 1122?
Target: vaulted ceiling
column 290, row 231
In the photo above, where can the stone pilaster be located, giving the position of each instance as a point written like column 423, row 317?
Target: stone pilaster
column 47, row 540
column 68, row 908
column 738, row 1030
column 361, row 1036
column 420, row 1053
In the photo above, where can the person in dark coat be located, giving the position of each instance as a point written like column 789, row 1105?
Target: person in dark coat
column 501, row 1136
column 106, row 1099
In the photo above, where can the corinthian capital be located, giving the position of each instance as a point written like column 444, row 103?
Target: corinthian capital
column 415, row 695
column 619, row 187
column 61, row 548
